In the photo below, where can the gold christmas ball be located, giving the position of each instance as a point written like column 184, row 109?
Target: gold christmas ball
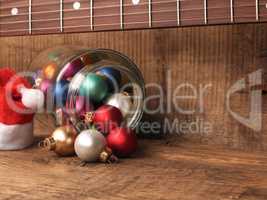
column 61, row 141
column 49, row 71
column 86, row 59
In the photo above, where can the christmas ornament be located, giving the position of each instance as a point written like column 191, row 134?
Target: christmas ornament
column 45, row 86
column 122, row 101
column 49, row 71
column 83, row 106
column 61, row 141
column 16, row 120
column 122, row 141
column 113, row 77
column 60, row 93
column 86, row 59
column 72, row 68
column 94, row 87
column 91, row 146
column 106, row 118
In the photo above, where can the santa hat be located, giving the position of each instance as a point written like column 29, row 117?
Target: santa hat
column 18, row 102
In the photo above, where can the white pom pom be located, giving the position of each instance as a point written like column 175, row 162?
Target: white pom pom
column 32, row 98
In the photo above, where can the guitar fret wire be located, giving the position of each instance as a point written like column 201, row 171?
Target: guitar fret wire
column 76, row 18
column 149, row 13
column 113, row 24
column 30, row 17
column 112, row 6
column 232, row 10
column 110, row 15
column 121, row 13
column 53, row 11
column 178, row 12
column 205, row 12
column 61, row 15
column 99, row 7
column 257, row 10
column 91, row 15
column 23, row 5
column 35, row 4
column 71, row 10
column 82, row 17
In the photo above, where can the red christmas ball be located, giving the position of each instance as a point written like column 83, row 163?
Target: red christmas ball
column 122, row 141
column 106, row 118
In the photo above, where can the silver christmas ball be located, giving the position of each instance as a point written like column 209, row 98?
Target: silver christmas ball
column 89, row 145
column 122, row 101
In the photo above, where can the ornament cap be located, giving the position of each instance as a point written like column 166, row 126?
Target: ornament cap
column 48, row 143
column 88, row 117
column 107, row 156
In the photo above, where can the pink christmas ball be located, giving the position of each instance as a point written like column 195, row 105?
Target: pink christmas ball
column 45, row 86
column 83, row 105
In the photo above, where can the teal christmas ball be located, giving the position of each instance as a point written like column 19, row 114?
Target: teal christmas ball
column 95, row 87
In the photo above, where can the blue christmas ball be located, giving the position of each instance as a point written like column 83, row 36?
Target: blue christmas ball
column 60, row 93
column 113, row 77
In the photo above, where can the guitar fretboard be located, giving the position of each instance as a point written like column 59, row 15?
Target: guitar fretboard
column 25, row 17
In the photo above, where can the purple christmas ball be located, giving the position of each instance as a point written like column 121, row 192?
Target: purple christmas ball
column 72, row 68
column 83, row 105
column 45, row 86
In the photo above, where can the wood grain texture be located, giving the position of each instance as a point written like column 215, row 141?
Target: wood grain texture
column 157, row 172
column 216, row 56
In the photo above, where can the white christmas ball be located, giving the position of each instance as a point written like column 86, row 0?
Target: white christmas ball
column 32, row 98
column 121, row 101
column 89, row 145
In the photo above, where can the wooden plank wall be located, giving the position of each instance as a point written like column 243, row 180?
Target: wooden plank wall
column 216, row 55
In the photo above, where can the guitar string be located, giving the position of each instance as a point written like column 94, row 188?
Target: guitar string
column 116, row 6
column 110, row 15
column 81, row 9
column 124, row 15
column 96, row 7
column 39, row 4
column 83, row 17
column 118, row 24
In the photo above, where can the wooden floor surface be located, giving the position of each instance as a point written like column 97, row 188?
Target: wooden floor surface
column 160, row 170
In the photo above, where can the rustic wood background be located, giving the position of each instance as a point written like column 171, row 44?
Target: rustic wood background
column 216, row 55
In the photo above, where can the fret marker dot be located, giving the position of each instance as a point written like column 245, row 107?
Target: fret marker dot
column 76, row 5
column 14, row 11
column 135, row 2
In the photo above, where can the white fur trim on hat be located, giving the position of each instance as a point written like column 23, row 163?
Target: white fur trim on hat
column 15, row 137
